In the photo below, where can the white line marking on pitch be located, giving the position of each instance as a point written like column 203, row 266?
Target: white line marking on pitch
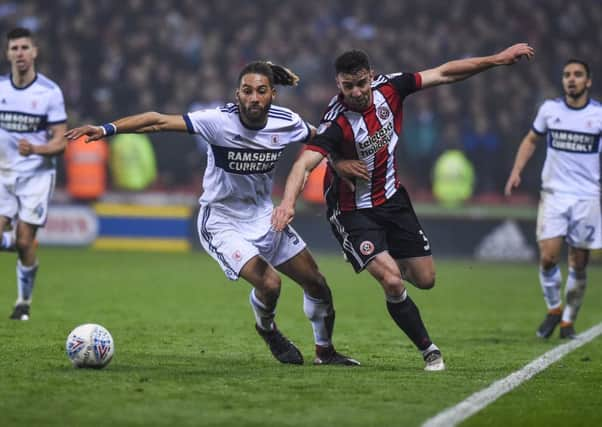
column 474, row 403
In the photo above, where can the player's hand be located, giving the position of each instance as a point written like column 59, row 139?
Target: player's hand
column 92, row 133
column 25, row 147
column 513, row 182
column 514, row 53
column 348, row 170
column 282, row 216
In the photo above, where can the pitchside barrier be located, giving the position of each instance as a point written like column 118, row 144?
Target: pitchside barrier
column 493, row 233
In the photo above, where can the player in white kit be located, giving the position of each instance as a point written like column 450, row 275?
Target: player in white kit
column 569, row 209
column 246, row 140
column 32, row 125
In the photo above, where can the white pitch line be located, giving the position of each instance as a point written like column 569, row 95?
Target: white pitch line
column 474, row 403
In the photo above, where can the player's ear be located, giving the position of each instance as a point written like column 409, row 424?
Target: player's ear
column 34, row 51
column 274, row 93
column 236, row 93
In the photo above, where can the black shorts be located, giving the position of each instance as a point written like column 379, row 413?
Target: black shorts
column 392, row 226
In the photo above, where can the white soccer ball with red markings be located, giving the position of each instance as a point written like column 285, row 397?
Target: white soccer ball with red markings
column 90, row 346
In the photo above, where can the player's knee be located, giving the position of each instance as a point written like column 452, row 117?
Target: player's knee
column 392, row 284
column 23, row 243
column 426, row 280
column 316, row 285
column 271, row 285
column 548, row 261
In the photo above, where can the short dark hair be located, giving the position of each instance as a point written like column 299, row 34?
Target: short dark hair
column 276, row 74
column 351, row 62
column 19, row 32
column 578, row 61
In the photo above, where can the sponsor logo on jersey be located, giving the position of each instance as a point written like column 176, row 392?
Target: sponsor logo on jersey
column 366, row 247
column 574, row 142
column 13, row 121
column 377, row 141
column 245, row 161
column 275, row 139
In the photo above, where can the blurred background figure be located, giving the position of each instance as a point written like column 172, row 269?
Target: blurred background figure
column 86, row 170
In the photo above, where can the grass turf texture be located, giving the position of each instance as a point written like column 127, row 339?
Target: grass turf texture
column 187, row 353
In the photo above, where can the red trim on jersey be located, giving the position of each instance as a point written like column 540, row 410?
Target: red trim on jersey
column 379, row 172
column 418, row 79
column 346, row 195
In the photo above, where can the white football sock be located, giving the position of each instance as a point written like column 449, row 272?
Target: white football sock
column 26, row 276
column 576, row 283
column 550, row 285
column 264, row 316
column 318, row 311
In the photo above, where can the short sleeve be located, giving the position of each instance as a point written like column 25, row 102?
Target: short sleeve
column 406, row 83
column 300, row 131
column 327, row 140
column 540, row 125
column 56, row 107
column 205, row 123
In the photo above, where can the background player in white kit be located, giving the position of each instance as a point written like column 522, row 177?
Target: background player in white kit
column 32, row 125
column 569, row 208
column 246, row 139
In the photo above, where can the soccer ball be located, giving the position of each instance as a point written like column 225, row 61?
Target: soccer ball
column 90, row 346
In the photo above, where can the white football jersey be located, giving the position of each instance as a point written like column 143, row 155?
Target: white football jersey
column 26, row 113
column 241, row 161
column 572, row 164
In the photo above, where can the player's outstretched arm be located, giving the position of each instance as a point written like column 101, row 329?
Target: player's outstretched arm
column 139, row 123
column 284, row 213
column 524, row 153
column 461, row 69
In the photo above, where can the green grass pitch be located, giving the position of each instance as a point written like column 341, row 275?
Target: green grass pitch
column 187, row 353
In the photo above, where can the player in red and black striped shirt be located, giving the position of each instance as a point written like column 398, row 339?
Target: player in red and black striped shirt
column 369, row 210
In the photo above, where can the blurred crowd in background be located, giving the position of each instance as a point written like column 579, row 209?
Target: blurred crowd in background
column 114, row 58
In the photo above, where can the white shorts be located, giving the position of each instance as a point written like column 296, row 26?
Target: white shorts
column 232, row 243
column 27, row 197
column 576, row 219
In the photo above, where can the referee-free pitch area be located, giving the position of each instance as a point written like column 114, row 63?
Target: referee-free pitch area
column 187, row 353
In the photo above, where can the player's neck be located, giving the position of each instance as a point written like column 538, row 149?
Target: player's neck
column 251, row 124
column 23, row 79
column 578, row 102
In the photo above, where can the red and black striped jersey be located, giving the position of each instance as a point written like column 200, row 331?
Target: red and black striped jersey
column 369, row 135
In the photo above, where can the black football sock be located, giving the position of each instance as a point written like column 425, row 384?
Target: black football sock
column 407, row 317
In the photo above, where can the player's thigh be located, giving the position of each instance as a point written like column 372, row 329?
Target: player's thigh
column 26, row 233
column 405, row 236
column 261, row 275
column 303, row 269
column 386, row 271
column 224, row 242
column 553, row 215
column 420, row 271
column 549, row 251
column 34, row 193
column 360, row 237
column 585, row 227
